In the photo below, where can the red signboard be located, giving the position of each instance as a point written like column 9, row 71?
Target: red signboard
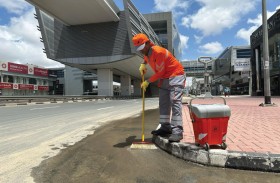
column 43, row 88
column 18, row 68
column 6, row 85
column 25, row 87
column 41, row 72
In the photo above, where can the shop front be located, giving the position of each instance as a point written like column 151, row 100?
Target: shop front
column 20, row 80
column 14, row 89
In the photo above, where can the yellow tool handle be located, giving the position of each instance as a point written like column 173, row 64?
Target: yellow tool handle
column 143, row 111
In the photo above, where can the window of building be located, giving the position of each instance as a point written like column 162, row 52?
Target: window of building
column 278, row 51
column 60, row 74
column 40, row 82
column 16, row 79
column 32, row 81
column 24, row 80
column 243, row 53
column 10, row 79
column 163, row 38
column 161, row 31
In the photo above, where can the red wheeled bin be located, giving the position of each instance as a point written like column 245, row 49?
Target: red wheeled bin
column 210, row 122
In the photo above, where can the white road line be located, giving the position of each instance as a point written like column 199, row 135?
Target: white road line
column 130, row 100
column 44, row 108
column 105, row 108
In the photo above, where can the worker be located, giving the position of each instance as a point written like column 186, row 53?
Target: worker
column 169, row 73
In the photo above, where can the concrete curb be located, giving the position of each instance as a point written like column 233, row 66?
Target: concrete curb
column 64, row 101
column 221, row 158
column 37, row 103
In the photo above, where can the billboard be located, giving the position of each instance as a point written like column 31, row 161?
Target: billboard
column 43, row 88
column 24, row 69
column 18, row 68
column 41, row 72
column 6, row 85
column 242, row 64
column 25, row 87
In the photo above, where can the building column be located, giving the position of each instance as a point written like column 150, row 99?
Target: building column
column 126, row 85
column 137, row 87
column 74, row 82
column 105, row 82
column 15, row 79
column 257, row 71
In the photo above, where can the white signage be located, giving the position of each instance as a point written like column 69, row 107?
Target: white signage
column 3, row 66
column 30, row 69
column 242, row 64
column 15, row 86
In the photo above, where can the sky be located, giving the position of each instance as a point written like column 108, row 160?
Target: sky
column 206, row 27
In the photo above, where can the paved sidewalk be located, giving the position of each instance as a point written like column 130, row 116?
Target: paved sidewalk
column 251, row 128
column 253, row 136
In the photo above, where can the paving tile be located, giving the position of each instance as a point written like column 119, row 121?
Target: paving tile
column 251, row 128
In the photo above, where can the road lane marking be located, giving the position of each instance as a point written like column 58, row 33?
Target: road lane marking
column 130, row 100
column 44, row 108
column 105, row 108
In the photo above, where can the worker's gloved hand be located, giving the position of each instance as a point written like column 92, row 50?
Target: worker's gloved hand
column 144, row 85
column 142, row 69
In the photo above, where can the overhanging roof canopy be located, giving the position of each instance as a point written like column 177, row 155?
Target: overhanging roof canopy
column 77, row 12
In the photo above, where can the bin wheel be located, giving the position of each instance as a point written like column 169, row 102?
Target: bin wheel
column 197, row 144
column 224, row 145
column 206, row 146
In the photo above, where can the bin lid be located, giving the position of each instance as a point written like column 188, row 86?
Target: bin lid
column 210, row 110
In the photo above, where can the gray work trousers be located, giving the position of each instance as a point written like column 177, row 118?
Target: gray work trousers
column 170, row 102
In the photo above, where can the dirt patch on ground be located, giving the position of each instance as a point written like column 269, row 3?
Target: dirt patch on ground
column 106, row 156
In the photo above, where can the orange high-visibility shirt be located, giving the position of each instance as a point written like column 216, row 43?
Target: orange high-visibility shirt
column 164, row 64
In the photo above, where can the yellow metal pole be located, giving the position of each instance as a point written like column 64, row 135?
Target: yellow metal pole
column 143, row 111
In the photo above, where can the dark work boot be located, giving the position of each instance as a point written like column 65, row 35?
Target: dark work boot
column 175, row 137
column 177, row 134
column 164, row 130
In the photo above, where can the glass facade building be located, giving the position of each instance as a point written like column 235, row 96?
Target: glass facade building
column 232, row 69
column 166, row 30
column 273, row 25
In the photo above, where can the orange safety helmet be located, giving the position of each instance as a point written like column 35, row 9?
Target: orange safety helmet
column 139, row 41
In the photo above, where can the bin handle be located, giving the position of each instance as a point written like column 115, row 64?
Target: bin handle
column 190, row 109
column 190, row 106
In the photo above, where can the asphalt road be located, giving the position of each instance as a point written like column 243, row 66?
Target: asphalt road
column 30, row 134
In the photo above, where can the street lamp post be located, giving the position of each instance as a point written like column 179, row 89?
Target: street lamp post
column 267, row 94
column 205, row 61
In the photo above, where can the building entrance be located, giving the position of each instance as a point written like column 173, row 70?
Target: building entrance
column 275, row 87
